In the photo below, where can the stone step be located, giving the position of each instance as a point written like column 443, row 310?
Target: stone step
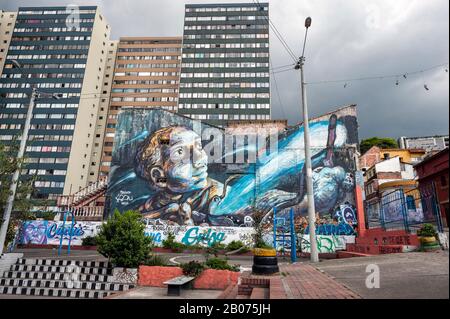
column 54, row 292
column 61, row 269
column 55, row 276
column 63, row 262
column 63, row 284
column 349, row 254
column 260, row 293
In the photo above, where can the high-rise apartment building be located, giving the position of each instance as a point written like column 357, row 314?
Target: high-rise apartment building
column 7, row 21
column 146, row 75
column 225, row 63
column 61, row 51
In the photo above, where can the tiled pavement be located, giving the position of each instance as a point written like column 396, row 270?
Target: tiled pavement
column 303, row 281
column 294, row 281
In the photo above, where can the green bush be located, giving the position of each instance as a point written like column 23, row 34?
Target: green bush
column 170, row 243
column 220, row 264
column 46, row 215
column 237, row 244
column 123, row 241
column 156, row 260
column 192, row 268
column 215, row 248
column 89, row 241
column 427, row 230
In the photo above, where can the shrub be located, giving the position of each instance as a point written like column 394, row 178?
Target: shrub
column 170, row 243
column 155, row 260
column 193, row 268
column 123, row 241
column 47, row 215
column 220, row 264
column 89, row 241
column 235, row 245
column 215, row 248
column 427, row 230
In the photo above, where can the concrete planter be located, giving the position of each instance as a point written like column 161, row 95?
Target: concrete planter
column 125, row 275
column 155, row 276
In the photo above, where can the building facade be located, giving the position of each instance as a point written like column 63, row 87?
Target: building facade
column 434, row 169
column 376, row 154
column 225, row 63
column 61, row 52
column 428, row 143
column 146, row 75
column 7, row 21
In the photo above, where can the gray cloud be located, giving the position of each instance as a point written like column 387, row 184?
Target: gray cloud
column 348, row 39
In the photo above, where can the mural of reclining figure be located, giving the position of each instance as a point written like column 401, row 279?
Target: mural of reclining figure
column 174, row 164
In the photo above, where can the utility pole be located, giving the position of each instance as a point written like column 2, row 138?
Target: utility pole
column 20, row 155
column 308, row 169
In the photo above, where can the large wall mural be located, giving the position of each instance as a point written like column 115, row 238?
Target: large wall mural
column 182, row 172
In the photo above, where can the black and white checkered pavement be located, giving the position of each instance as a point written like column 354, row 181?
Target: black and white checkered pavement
column 60, row 278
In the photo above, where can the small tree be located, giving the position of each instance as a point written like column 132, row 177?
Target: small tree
column 122, row 239
column 259, row 230
column 381, row 142
column 23, row 203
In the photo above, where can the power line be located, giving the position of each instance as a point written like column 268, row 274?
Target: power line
column 277, row 33
column 278, row 92
column 380, row 77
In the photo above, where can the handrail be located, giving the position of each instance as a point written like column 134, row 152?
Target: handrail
column 70, row 232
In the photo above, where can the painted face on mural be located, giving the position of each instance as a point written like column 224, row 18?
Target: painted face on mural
column 34, row 233
column 187, row 167
column 173, row 159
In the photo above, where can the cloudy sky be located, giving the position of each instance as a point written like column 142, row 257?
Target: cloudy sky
column 348, row 39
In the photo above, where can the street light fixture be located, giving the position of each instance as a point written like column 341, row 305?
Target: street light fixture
column 23, row 141
column 307, row 138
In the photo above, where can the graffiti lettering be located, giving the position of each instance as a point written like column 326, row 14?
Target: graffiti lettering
column 193, row 237
column 54, row 231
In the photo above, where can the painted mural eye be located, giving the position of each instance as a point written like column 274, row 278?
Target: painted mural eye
column 179, row 151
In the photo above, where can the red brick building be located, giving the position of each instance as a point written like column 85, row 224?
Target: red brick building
column 435, row 169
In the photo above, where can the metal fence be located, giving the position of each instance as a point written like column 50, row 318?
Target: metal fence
column 405, row 210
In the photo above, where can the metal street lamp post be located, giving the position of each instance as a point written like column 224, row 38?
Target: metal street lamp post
column 307, row 138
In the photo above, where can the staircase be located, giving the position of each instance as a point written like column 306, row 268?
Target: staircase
column 82, row 203
column 377, row 241
column 60, row 278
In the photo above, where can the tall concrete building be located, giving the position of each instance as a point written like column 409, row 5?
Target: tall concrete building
column 225, row 63
column 7, row 21
column 146, row 75
column 61, row 52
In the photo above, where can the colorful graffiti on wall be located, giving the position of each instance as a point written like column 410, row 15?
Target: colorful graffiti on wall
column 327, row 243
column 184, row 172
column 43, row 232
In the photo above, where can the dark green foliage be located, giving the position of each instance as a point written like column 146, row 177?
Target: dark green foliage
column 427, row 230
column 9, row 163
column 89, row 241
column 170, row 243
column 122, row 239
column 193, row 268
column 155, row 260
column 215, row 249
column 220, row 264
column 381, row 142
column 45, row 215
